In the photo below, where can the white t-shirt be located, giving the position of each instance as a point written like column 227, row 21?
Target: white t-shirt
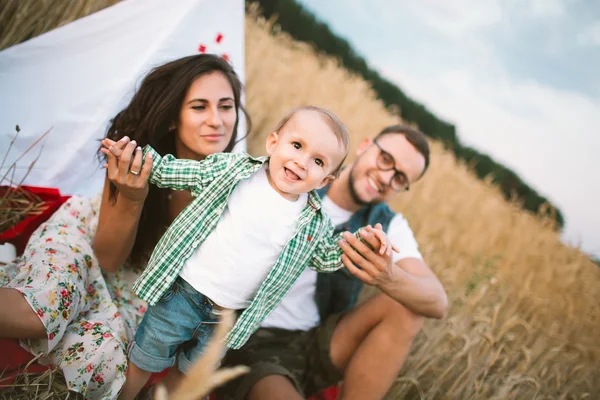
column 236, row 257
column 298, row 309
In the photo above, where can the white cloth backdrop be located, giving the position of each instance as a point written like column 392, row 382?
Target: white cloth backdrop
column 75, row 78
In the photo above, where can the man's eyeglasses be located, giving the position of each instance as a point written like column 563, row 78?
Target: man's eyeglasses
column 386, row 162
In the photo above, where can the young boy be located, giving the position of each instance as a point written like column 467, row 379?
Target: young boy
column 254, row 225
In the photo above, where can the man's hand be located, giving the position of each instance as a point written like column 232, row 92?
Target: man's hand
column 408, row 281
column 375, row 263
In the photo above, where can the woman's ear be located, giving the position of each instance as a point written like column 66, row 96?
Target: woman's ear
column 271, row 142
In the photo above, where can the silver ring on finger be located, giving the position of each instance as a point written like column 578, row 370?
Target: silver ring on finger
column 134, row 172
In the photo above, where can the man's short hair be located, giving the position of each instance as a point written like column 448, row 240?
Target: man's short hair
column 413, row 136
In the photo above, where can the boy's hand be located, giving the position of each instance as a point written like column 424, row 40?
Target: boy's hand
column 365, row 258
column 124, row 168
column 386, row 246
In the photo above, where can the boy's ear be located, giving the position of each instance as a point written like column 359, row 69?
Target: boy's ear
column 271, row 142
column 326, row 181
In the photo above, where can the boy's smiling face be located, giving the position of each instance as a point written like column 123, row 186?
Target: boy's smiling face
column 304, row 154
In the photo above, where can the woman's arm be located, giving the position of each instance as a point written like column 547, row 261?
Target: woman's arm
column 117, row 229
column 118, row 221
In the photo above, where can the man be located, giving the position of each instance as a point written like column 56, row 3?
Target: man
column 318, row 336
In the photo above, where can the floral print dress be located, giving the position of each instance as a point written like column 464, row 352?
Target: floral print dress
column 90, row 316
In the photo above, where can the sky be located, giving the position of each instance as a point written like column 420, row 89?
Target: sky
column 520, row 79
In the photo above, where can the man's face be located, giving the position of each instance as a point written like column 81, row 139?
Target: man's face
column 371, row 184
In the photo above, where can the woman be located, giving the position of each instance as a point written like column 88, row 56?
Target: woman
column 73, row 301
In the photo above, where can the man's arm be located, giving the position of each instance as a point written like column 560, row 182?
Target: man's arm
column 409, row 281
column 416, row 286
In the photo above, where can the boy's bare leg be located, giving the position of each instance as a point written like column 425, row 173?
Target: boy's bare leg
column 174, row 376
column 17, row 318
column 136, row 379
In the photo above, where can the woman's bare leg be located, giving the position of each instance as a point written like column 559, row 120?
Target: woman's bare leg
column 17, row 318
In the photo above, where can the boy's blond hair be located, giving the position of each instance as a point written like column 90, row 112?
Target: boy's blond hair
column 333, row 121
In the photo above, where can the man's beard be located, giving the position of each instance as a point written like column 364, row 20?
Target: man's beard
column 354, row 194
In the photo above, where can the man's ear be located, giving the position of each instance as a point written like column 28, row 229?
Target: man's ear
column 326, row 181
column 271, row 142
column 363, row 146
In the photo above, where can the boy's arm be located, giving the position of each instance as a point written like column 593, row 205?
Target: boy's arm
column 328, row 254
column 183, row 174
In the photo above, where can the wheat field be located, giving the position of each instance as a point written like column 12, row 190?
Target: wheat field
column 524, row 308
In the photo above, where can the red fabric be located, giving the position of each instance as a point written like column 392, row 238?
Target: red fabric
column 331, row 393
column 18, row 235
column 157, row 377
column 14, row 360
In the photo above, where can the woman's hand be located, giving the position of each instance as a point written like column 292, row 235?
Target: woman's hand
column 124, row 168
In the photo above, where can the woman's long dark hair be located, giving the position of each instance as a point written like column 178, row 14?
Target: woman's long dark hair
column 155, row 108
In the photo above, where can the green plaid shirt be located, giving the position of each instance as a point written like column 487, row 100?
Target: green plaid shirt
column 211, row 181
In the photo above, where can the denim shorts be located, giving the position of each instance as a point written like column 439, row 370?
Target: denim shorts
column 176, row 328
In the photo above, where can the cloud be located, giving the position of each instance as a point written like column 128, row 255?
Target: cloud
column 546, row 135
column 543, row 132
column 458, row 18
column 511, row 76
column 454, row 18
column 465, row 17
column 590, row 36
column 545, row 8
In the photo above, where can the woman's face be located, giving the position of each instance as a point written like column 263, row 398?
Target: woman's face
column 206, row 118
